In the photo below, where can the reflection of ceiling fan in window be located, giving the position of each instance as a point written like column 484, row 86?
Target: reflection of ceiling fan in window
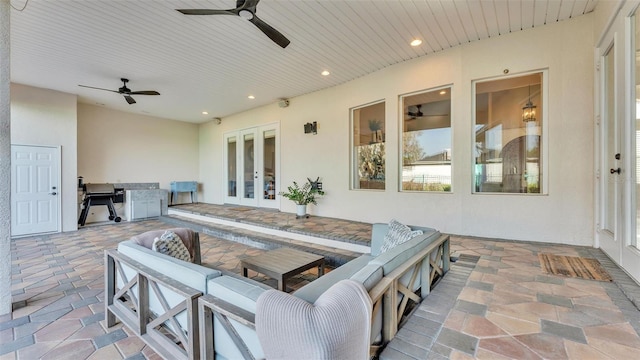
column 415, row 114
column 418, row 114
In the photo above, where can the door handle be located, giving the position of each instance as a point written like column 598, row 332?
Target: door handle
column 613, row 171
column 53, row 193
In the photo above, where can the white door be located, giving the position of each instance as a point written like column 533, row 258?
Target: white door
column 251, row 164
column 617, row 207
column 631, row 147
column 268, row 166
column 609, row 135
column 35, row 189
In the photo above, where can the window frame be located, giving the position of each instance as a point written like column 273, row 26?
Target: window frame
column 544, row 131
column 353, row 161
column 400, row 124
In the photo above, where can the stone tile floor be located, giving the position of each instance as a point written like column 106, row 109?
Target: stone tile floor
column 505, row 307
column 502, row 307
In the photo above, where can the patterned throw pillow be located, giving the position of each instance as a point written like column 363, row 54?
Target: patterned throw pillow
column 171, row 244
column 397, row 234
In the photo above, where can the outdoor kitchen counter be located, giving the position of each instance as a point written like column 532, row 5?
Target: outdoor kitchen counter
column 146, row 203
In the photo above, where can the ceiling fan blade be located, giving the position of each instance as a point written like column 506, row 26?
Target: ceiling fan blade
column 129, row 99
column 97, row 88
column 144, row 92
column 208, row 11
column 272, row 33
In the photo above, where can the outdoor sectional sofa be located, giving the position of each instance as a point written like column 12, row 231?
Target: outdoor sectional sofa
column 187, row 311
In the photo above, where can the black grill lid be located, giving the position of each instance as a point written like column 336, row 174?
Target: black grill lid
column 100, row 189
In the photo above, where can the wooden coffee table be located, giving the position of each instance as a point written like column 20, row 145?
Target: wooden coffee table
column 282, row 263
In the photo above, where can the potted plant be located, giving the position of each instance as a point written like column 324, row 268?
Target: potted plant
column 302, row 196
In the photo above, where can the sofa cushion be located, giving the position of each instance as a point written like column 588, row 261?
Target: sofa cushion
column 392, row 258
column 314, row 289
column 368, row 276
column 192, row 275
column 186, row 235
column 379, row 230
column 171, row 244
column 241, row 292
column 398, row 233
column 244, row 293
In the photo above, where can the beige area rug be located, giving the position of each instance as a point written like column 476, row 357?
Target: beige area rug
column 571, row 266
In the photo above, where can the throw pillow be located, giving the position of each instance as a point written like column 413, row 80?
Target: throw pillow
column 170, row 244
column 397, row 234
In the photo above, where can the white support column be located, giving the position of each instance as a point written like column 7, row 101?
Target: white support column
column 5, row 160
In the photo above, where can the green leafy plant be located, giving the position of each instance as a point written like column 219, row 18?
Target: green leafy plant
column 302, row 195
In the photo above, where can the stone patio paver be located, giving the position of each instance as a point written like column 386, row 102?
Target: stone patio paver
column 494, row 303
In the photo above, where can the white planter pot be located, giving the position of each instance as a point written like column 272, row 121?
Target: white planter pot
column 301, row 210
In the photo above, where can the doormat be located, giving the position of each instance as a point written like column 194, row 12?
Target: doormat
column 571, row 266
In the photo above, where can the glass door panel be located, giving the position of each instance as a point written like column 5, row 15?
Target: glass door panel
column 232, row 175
column 230, row 172
column 269, row 164
column 609, row 145
column 250, row 173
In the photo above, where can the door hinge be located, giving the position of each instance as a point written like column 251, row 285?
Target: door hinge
column 598, row 65
column 598, row 120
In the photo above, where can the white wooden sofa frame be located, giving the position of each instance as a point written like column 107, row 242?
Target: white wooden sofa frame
column 384, row 294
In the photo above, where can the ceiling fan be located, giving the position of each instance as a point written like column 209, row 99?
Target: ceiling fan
column 247, row 10
column 124, row 90
column 418, row 113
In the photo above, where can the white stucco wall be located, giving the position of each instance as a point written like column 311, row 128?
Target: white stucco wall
column 5, row 162
column 119, row 147
column 49, row 118
column 565, row 215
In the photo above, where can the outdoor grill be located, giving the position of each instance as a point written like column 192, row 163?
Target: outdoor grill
column 100, row 194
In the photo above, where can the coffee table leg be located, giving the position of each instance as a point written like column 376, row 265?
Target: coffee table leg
column 245, row 272
column 321, row 269
column 281, row 284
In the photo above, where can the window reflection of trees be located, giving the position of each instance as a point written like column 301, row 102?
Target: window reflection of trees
column 426, row 141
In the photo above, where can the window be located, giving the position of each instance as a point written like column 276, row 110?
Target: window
column 508, row 135
column 368, row 153
column 426, row 141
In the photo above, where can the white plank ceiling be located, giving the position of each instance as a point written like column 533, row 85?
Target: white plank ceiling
column 212, row 63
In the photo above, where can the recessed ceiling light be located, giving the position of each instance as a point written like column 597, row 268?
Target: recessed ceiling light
column 443, row 92
column 325, row 73
column 416, row 42
column 205, row 113
column 251, row 97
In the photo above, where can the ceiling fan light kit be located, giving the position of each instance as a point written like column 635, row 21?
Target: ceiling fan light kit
column 245, row 9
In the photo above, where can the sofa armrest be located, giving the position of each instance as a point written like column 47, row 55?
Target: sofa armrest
column 210, row 307
column 431, row 262
column 131, row 291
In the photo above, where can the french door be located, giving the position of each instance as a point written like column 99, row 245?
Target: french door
column 610, row 186
column 251, row 166
column 617, row 155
